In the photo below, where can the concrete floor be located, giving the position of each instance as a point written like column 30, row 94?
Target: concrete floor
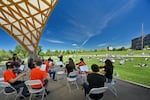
column 60, row 91
column 125, row 91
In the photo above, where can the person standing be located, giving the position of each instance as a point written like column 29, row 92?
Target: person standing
column 61, row 59
column 108, row 70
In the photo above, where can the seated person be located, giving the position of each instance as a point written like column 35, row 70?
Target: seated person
column 49, row 65
column 16, row 60
column 9, row 60
column 17, row 70
column 37, row 74
column 13, row 79
column 94, row 80
column 81, row 63
column 70, row 66
column 31, row 63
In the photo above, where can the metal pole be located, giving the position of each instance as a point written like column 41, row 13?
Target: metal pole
column 142, row 44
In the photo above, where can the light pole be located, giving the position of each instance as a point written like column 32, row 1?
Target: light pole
column 142, row 44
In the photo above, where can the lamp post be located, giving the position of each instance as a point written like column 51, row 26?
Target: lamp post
column 142, row 37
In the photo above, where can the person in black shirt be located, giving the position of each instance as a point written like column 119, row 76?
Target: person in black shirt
column 108, row 68
column 31, row 64
column 94, row 80
column 61, row 59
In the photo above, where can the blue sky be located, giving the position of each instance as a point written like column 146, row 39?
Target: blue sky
column 91, row 24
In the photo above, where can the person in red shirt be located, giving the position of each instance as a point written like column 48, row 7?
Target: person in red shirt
column 37, row 74
column 49, row 65
column 81, row 63
column 13, row 79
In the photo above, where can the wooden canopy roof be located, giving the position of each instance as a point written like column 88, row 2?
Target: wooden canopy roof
column 25, row 20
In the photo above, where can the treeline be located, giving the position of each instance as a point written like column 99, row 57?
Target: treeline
column 22, row 53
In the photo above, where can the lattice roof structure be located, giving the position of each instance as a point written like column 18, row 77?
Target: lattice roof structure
column 25, row 20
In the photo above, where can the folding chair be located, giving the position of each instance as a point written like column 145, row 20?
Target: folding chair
column 111, row 86
column 1, row 79
column 96, row 91
column 8, row 90
column 30, row 83
column 60, row 73
column 72, row 80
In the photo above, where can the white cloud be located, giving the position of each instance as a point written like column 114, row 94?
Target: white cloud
column 54, row 41
column 48, row 32
column 101, row 45
column 126, row 46
column 74, row 45
column 75, row 23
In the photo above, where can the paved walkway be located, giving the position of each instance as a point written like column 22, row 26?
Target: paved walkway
column 125, row 91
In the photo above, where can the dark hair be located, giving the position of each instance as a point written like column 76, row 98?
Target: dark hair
column 108, row 62
column 9, row 65
column 95, row 68
column 38, row 62
column 9, row 58
column 50, row 59
column 81, row 59
column 71, row 63
column 14, row 54
column 70, row 59
column 31, row 63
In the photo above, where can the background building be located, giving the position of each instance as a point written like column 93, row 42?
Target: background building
column 137, row 42
column 110, row 48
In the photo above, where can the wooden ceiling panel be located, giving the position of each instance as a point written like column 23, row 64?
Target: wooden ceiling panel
column 25, row 20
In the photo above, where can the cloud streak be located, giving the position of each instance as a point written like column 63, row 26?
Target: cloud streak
column 103, row 23
column 54, row 41
column 101, row 45
column 83, row 24
column 85, row 41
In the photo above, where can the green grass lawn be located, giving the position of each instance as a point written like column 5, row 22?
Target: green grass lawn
column 130, row 70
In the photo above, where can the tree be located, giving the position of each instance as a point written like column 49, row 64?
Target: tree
column 1, row 58
column 42, row 54
column 146, row 47
column 10, row 51
column 95, row 50
column 122, row 49
column 103, row 49
column 48, row 52
column 68, row 51
column 39, row 50
column 20, row 51
column 4, row 55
